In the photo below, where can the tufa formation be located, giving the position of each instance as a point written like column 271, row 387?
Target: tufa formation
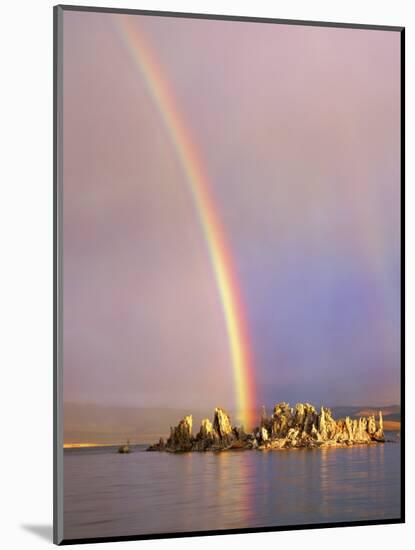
column 286, row 428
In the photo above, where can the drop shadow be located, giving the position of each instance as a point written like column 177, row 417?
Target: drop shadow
column 43, row 531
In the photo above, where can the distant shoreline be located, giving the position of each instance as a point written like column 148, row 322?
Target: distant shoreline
column 389, row 425
column 392, row 425
column 87, row 445
column 113, row 425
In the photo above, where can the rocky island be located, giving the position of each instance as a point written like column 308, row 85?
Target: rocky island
column 287, row 428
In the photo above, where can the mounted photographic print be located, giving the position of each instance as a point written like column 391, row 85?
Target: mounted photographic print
column 229, row 351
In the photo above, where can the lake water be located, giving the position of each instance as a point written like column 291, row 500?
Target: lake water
column 110, row 494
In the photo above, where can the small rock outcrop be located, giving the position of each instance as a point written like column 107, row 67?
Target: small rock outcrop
column 216, row 436
column 181, row 438
column 125, row 449
column 287, row 427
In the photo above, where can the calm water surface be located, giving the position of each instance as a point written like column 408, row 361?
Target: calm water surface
column 109, row 494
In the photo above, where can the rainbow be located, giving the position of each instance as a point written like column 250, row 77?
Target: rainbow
column 214, row 235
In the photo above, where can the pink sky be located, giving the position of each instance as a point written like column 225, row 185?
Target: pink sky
column 298, row 129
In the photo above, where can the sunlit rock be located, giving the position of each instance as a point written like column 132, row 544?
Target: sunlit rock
column 371, row 425
column 302, row 427
column 181, row 436
column 281, row 420
column 206, row 428
column 222, row 423
column 379, row 435
column 264, row 434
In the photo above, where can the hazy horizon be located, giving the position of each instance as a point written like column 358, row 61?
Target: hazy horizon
column 92, row 423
